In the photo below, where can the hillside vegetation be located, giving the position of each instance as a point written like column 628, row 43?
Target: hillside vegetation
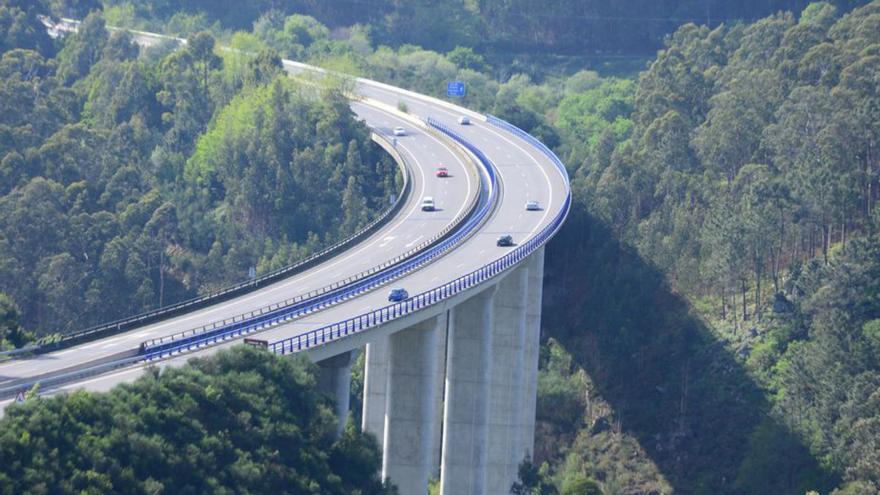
column 712, row 318
column 718, row 280
column 243, row 421
column 131, row 179
column 502, row 28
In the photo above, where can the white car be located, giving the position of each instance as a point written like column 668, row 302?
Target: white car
column 533, row 206
column 399, row 131
column 428, row 203
column 464, row 120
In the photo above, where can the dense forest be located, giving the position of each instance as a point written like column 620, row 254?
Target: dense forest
column 242, row 421
column 711, row 322
column 502, row 28
column 725, row 309
column 131, row 179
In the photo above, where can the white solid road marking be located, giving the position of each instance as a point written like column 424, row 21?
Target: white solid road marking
column 484, row 139
column 207, row 314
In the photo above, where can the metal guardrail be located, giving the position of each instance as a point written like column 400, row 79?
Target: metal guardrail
column 291, row 308
column 346, row 289
column 117, row 326
column 507, row 126
column 69, row 376
column 393, row 311
column 294, row 307
column 21, row 350
column 382, row 315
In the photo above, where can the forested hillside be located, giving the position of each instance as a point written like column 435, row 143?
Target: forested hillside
column 243, row 421
column 724, row 304
column 130, row 179
column 712, row 322
column 503, row 28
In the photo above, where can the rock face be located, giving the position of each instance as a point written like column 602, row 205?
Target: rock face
column 781, row 304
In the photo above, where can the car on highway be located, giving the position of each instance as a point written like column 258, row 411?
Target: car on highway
column 464, row 120
column 504, row 241
column 442, row 172
column 398, row 294
column 533, row 206
column 428, row 204
column 399, row 131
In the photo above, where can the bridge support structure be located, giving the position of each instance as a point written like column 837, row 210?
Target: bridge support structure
column 456, row 393
column 334, row 379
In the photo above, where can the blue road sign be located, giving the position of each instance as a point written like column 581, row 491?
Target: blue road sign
column 455, row 88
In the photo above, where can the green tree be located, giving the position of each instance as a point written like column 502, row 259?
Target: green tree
column 242, row 421
column 21, row 28
column 580, row 485
column 10, row 326
column 532, row 480
column 83, row 50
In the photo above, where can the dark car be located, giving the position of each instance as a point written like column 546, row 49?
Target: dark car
column 505, row 241
column 442, row 172
column 398, row 294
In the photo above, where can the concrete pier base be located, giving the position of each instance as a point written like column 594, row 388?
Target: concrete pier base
column 410, row 406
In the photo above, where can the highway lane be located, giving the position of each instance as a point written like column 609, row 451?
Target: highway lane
column 526, row 175
column 423, row 151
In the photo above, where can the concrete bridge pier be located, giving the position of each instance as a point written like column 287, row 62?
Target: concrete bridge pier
column 375, row 383
column 410, row 406
column 465, row 411
column 507, row 380
column 334, row 380
column 532, row 349
column 458, row 390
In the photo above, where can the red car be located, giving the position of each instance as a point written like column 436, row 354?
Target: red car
column 442, row 172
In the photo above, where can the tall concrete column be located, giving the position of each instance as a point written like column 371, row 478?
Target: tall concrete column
column 409, row 407
column 507, row 384
column 439, row 388
column 532, row 343
column 465, row 414
column 334, row 380
column 375, row 382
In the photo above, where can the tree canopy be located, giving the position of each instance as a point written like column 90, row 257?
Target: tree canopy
column 243, row 421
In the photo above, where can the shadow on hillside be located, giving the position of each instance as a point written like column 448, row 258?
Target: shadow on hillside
column 694, row 409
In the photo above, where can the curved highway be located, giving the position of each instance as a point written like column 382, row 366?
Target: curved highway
column 412, row 226
column 524, row 172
